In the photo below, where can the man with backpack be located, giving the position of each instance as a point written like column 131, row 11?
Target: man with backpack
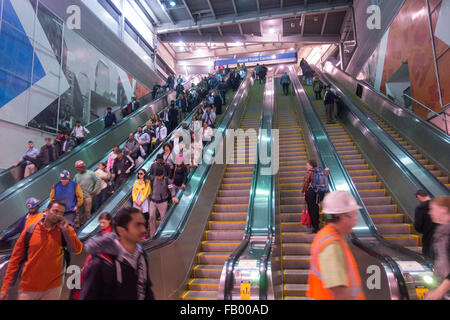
column 118, row 268
column 285, row 82
column 314, row 189
column 40, row 253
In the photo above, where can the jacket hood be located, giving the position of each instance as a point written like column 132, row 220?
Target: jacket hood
column 107, row 244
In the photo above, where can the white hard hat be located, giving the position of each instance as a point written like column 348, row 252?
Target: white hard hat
column 338, row 202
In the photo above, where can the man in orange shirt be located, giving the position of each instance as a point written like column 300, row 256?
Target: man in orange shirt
column 32, row 217
column 43, row 261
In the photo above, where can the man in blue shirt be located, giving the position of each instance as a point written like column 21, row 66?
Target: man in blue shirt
column 31, row 154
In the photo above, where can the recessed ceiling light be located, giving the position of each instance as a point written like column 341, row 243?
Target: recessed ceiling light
column 172, row 3
column 272, row 31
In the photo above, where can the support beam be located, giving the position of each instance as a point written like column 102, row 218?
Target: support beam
column 229, row 19
column 235, row 8
column 281, row 4
column 324, row 23
column 303, row 24
column 240, row 29
column 164, row 9
column 258, row 6
column 220, row 31
column 147, row 11
column 200, row 32
column 191, row 37
column 306, row 3
column 211, row 8
column 189, row 10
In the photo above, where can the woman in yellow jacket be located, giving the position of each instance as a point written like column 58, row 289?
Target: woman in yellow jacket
column 141, row 193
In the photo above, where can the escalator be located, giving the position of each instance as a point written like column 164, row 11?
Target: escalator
column 296, row 238
column 392, row 224
column 225, row 228
column 91, row 152
column 427, row 163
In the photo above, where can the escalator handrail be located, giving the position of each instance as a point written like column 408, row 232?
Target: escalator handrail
column 364, row 212
column 394, row 106
column 161, row 238
column 17, row 187
column 364, row 121
column 266, row 122
column 366, row 215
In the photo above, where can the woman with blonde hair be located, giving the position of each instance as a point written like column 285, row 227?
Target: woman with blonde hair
column 440, row 213
column 141, row 193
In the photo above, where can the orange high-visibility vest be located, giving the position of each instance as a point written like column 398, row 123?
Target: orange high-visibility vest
column 316, row 288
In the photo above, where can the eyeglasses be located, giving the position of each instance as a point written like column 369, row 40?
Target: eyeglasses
column 140, row 174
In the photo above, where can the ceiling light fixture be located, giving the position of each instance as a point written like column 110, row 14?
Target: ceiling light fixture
column 172, row 3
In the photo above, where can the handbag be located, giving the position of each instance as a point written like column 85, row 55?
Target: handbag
column 306, row 219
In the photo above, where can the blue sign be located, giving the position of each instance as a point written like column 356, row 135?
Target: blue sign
column 259, row 59
column 16, row 57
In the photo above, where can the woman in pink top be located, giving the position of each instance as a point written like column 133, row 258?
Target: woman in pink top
column 111, row 158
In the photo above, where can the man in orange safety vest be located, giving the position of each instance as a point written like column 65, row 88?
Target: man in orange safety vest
column 333, row 274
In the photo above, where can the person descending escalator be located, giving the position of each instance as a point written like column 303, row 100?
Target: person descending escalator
column 329, row 101
column 333, row 273
column 440, row 214
column 423, row 223
column 118, row 269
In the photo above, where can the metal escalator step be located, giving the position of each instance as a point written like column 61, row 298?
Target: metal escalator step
column 235, row 186
column 297, row 298
column 353, row 161
column 387, row 218
column 239, row 169
column 230, row 207
column 289, row 186
column 232, row 200
column 296, row 249
column 407, row 240
column 298, row 201
column 364, row 179
column 203, row 284
column 211, row 258
column 291, row 193
column 372, row 193
column 360, row 173
column 296, row 276
column 355, row 167
column 367, row 185
column 290, row 217
column 416, row 249
column 397, row 228
column 290, row 237
column 291, row 208
column 237, row 180
column 234, row 193
column 298, row 180
column 219, row 246
column 231, row 235
column 372, row 201
column 227, row 216
column 382, row 209
column 200, row 295
column 295, row 289
column 293, row 227
column 238, row 174
column 226, row 225
column 207, row 271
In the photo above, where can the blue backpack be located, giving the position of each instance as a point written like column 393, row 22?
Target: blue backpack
column 320, row 181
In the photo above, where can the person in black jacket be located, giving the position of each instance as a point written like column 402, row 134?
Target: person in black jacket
column 110, row 118
column 121, row 170
column 118, row 269
column 173, row 117
column 329, row 105
column 423, row 223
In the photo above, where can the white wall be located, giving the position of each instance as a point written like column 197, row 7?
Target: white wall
column 13, row 144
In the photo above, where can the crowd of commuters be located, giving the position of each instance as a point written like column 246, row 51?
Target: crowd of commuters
column 71, row 201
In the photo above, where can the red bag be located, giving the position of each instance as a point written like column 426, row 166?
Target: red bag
column 306, row 220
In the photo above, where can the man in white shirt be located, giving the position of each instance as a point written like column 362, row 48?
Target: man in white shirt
column 209, row 117
column 80, row 133
column 144, row 140
column 160, row 132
